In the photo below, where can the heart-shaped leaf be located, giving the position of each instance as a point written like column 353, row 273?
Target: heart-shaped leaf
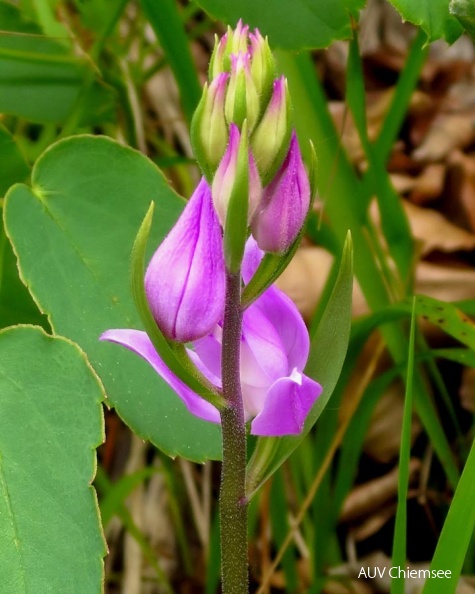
column 73, row 233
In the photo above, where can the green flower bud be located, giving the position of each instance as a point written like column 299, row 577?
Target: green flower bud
column 242, row 99
column 209, row 133
column 262, row 66
column 271, row 138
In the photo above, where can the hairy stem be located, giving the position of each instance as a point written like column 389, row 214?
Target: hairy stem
column 233, row 504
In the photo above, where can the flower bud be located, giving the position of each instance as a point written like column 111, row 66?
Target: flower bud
column 232, row 42
column 226, row 177
column 238, row 38
column 209, row 133
column 284, row 204
column 242, row 100
column 270, row 140
column 262, row 65
column 185, row 281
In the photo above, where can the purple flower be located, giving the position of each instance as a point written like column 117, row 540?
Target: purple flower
column 284, row 204
column 185, row 280
column 274, row 351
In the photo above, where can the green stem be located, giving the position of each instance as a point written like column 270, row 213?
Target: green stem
column 233, row 503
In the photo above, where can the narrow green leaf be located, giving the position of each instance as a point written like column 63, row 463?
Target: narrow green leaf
column 327, row 354
column 400, row 530
column 165, row 20
column 51, row 423
column 42, row 78
column 457, row 533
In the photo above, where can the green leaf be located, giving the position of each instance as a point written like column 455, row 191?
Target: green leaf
column 13, row 166
column 327, row 354
column 73, row 232
column 167, row 24
column 432, row 16
column 16, row 303
column 399, row 553
column 290, row 25
column 456, row 533
column 42, row 78
column 464, row 10
column 51, row 422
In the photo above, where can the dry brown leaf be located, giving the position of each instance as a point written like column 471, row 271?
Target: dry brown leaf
column 383, row 438
column 429, row 184
column 448, row 131
column 304, row 278
column 444, row 283
column 435, row 232
column 467, row 389
column 365, row 499
column 373, row 524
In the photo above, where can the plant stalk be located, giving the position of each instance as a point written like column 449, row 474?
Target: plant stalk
column 233, row 503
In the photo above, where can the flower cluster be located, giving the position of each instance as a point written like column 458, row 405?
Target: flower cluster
column 243, row 138
column 246, row 103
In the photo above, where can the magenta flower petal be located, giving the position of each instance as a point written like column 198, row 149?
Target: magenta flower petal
column 288, row 402
column 263, row 355
column 280, row 310
column 185, row 280
column 284, row 204
column 139, row 343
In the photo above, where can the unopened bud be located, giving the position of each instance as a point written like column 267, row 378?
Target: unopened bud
column 209, row 133
column 184, row 282
column 238, row 38
column 270, row 140
column 226, row 177
column 262, row 66
column 284, row 204
column 242, row 99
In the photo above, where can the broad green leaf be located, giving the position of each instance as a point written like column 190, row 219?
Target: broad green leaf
column 42, row 78
column 464, row 10
column 51, row 422
column 13, row 167
column 290, row 25
column 73, row 233
column 16, row 304
column 327, row 354
column 432, row 16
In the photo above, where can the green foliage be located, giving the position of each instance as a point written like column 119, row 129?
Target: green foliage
column 50, row 406
column 433, row 17
column 73, row 232
column 290, row 25
column 464, row 11
column 42, row 78
column 13, row 167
